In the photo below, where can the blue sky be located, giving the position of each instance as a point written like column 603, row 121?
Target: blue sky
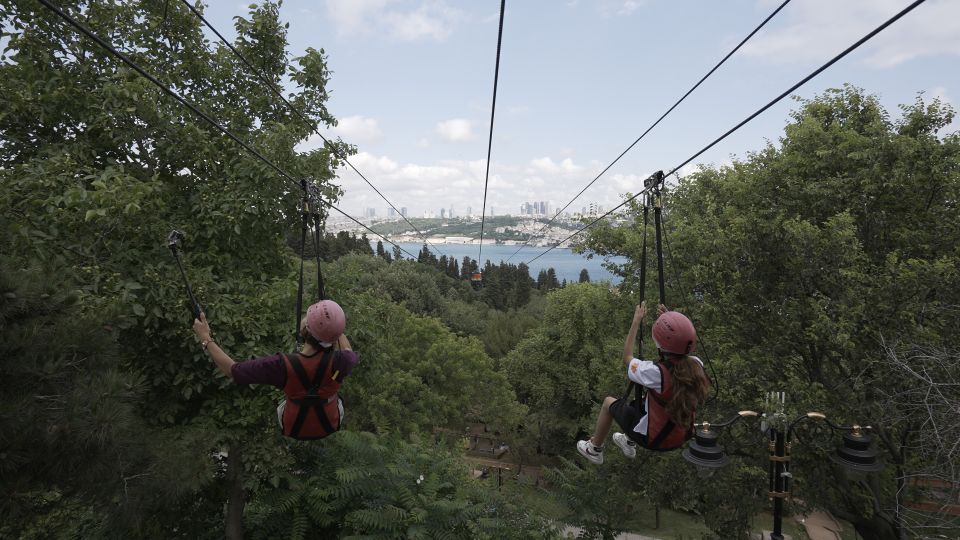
column 579, row 81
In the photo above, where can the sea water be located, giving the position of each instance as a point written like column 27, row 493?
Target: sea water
column 564, row 261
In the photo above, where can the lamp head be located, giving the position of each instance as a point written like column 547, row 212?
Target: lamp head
column 703, row 450
column 856, row 453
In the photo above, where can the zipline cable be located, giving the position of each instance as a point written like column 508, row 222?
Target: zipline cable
column 493, row 110
column 167, row 90
column 644, row 134
column 310, row 124
column 773, row 102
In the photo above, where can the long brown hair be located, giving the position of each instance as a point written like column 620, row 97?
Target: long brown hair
column 690, row 388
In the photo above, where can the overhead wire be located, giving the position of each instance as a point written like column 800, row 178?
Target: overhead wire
column 183, row 101
column 653, row 125
column 493, row 110
column 759, row 111
column 309, row 123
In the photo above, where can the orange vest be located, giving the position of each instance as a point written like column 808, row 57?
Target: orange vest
column 662, row 433
column 312, row 408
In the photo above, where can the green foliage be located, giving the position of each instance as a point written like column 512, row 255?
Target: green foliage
column 563, row 369
column 355, row 485
column 595, row 497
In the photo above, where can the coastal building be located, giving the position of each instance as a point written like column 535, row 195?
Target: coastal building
column 458, row 240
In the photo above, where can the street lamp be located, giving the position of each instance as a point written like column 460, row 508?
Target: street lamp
column 855, row 453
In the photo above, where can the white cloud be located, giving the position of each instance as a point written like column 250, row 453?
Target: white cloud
column 358, row 129
column 430, row 186
column 629, row 7
column 432, row 19
column 546, row 165
column 820, row 29
column 940, row 93
column 423, row 143
column 455, row 130
column 618, row 8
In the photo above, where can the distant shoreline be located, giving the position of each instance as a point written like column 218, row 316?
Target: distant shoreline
column 472, row 244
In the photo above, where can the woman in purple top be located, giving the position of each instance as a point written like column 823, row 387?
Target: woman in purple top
column 310, row 379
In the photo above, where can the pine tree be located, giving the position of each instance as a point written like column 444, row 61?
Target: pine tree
column 584, row 276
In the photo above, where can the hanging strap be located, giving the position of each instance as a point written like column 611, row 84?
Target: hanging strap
column 308, row 212
column 311, row 401
column 658, row 223
column 303, row 245
column 321, row 290
column 643, row 291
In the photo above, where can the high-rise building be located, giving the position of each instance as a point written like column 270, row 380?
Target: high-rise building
column 403, row 211
column 443, row 213
column 391, row 212
column 370, row 213
column 470, row 211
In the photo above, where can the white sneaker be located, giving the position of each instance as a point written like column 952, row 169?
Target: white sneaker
column 628, row 447
column 589, row 451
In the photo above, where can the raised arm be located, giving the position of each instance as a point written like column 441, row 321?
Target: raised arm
column 638, row 314
column 202, row 329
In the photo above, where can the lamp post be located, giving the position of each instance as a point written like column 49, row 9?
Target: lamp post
column 855, row 453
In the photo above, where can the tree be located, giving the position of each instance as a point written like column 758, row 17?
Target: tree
column 380, row 252
column 112, row 164
column 562, row 370
column 584, row 276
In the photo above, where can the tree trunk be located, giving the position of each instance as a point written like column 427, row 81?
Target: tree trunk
column 234, row 519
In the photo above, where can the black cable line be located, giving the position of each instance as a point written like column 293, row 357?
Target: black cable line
column 664, row 115
column 167, row 90
column 803, row 81
column 309, row 123
column 493, row 110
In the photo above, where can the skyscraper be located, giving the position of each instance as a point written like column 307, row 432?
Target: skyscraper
column 403, row 211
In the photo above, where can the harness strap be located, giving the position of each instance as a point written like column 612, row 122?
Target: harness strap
column 662, row 436
column 658, row 224
column 311, row 401
column 667, row 428
column 643, row 293
column 321, row 290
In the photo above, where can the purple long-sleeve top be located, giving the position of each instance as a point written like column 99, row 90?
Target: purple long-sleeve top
column 271, row 370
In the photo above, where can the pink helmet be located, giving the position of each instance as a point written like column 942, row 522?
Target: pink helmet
column 674, row 333
column 325, row 321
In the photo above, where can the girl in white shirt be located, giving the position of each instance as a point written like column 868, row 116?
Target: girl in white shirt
column 675, row 386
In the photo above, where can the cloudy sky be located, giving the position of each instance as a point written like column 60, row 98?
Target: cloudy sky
column 580, row 81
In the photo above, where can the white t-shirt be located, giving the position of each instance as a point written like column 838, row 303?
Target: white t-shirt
column 647, row 374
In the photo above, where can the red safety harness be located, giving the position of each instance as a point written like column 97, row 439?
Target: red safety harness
column 312, row 408
column 662, row 433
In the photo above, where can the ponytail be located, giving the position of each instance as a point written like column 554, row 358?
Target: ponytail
column 690, row 388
